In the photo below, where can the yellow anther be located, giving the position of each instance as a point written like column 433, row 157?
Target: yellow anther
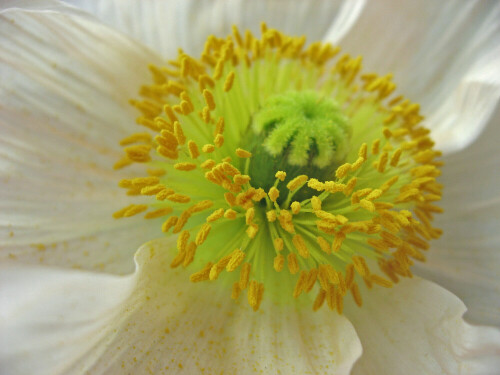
column 387, row 185
column 271, row 216
column 241, row 179
column 280, row 175
column 273, row 194
column 171, row 221
column 395, row 157
column 249, row 215
column 139, row 153
column 190, row 252
column 315, row 203
column 201, row 206
column 219, row 127
column 313, row 183
column 376, row 147
column 297, row 182
column 219, row 140
column 207, row 164
column 178, row 133
column 375, row 194
column 337, row 242
column 182, row 240
column 360, row 266
column 300, row 245
column 179, row 198
column 168, row 153
column 380, row 281
column 279, row 262
column 193, row 149
column 152, row 190
column 209, row 99
column 299, row 286
column 243, row 153
column 357, row 164
column 158, row 213
column 367, row 205
column 217, row 214
column 278, row 244
column 122, row 163
column 342, row 171
column 324, row 245
column 244, row 275
column 236, row 259
column 362, row 153
column 205, row 115
column 185, row 166
column 293, row 263
column 134, row 138
column 205, row 81
column 208, row 148
column 164, row 194
column 170, row 113
column 235, row 291
column 228, row 84
column 183, row 218
column 203, row 274
column 382, row 162
column 295, row 206
column 230, row 214
column 230, row 199
column 135, row 209
column 320, row 299
column 252, row 230
column 356, row 295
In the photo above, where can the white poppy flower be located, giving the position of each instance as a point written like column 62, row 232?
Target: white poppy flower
column 72, row 300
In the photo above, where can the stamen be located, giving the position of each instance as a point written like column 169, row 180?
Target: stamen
column 268, row 144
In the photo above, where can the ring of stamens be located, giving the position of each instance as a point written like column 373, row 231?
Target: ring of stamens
column 367, row 221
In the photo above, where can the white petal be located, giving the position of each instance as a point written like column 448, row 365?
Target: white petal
column 416, row 327
column 64, row 97
column 444, row 55
column 167, row 25
column 467, row 258
column 161, row 323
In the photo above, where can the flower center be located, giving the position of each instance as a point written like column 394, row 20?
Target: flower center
column 280, row 169
column 298, row 132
